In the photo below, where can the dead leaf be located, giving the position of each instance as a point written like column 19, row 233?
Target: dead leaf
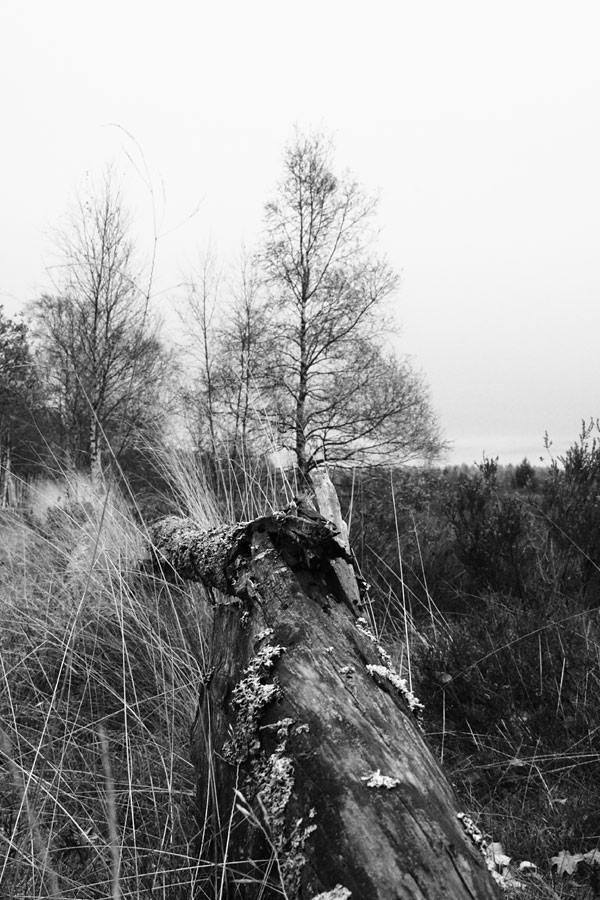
column 566, row 863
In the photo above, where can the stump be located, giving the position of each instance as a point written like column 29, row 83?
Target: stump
column 313, row 777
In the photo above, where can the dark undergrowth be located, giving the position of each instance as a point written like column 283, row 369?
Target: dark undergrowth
column 490, row 576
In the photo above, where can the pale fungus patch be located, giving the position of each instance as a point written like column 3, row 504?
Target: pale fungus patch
column 363, row 626
column 400, row 684
column 386, row 672
column 338, row 893
column 264, row 634
column 377, row 780
column 477, row 839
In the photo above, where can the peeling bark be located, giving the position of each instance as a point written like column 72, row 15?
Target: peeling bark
column 313, row 778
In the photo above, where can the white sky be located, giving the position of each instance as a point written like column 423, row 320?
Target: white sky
column 478, row 122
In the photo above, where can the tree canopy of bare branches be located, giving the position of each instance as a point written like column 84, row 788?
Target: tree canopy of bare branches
column 230, row 340
column 296, row 348
column 341, row 392
column 98, row 347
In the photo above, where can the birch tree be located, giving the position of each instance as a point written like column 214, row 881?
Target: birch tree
column 99, row 351
column 341, row 393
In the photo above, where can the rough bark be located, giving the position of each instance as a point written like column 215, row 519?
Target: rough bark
column 313, row 778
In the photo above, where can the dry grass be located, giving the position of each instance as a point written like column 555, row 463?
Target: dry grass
column 99, row 671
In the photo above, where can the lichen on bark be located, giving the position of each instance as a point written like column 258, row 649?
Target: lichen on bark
column 267, row 781
column 250, row 696
column 273, row 781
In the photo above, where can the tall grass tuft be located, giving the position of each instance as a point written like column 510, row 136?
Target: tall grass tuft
column 99, row 669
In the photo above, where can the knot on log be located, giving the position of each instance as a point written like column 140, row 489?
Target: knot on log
column 220, row 557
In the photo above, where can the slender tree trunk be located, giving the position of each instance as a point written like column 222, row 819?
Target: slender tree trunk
column 208, row 377
column 95, row 461
column 313, row 778
column 300, row 413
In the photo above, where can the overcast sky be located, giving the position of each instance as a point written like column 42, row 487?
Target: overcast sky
column 478, row 123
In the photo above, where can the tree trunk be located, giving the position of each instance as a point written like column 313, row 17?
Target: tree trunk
column 313, row 778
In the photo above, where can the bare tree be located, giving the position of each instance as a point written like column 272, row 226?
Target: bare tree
column 228, row 322
column 339, row 392
column 299, row 340
column 199, row 320
column 101, row 357
column 246, row 351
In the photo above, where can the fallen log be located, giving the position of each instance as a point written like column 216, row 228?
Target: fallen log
column 313, row 778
